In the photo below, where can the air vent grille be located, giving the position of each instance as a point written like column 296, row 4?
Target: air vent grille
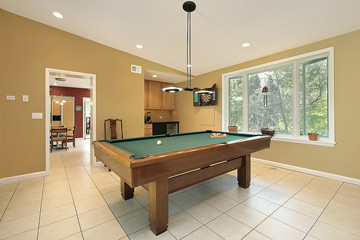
column 136, row 69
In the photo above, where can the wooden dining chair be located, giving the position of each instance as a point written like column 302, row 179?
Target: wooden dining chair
column 71, row 137
column 58, row 135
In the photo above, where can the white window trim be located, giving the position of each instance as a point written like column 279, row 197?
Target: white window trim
column 296, row 138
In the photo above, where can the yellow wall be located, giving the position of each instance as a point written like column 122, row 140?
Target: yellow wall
column 26, row 49
column 343, row 159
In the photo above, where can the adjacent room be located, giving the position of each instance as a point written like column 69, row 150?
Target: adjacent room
column 179, row 120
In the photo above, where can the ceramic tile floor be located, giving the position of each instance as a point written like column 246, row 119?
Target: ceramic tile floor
column 78, row 201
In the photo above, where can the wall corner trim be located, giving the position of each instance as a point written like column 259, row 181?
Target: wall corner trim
column 23, row 177
column 309, row 171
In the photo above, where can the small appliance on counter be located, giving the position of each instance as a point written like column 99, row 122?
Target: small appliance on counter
column 148, row 117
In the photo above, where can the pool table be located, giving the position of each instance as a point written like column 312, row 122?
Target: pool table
column 180, row 161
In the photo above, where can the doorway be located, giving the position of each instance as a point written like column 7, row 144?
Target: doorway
column 78, row 77
column 86, row 117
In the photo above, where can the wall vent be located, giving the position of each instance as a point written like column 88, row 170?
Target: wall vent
column 136, row 69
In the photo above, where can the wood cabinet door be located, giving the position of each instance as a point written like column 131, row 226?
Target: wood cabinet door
column 168, row 99
column 146, row 95
column 155, row 95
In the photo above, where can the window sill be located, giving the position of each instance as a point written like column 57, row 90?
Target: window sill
column 304, row 140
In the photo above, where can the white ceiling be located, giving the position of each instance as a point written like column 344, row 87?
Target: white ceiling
column 218, row 27
column 163, row 77
column 75, row 81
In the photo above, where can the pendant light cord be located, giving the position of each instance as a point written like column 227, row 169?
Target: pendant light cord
column 188, row 50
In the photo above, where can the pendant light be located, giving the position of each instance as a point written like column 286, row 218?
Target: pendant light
column 204, row 91
column 188, row 7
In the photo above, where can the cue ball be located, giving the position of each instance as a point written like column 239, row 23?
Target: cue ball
column 158, row 142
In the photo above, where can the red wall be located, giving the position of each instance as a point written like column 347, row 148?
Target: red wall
column 78, row 93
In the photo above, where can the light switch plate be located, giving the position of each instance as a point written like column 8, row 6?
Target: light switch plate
column 25, row 98
column 12, row 98
column 37, row 116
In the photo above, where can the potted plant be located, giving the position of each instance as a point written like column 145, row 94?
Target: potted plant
column 313, row 136
column 233, row 129
column 267, row 131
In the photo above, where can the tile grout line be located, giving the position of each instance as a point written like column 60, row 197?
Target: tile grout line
column 317, row 219
column 42, row 195
column 306, row 233
column 204, row 225
column 223, row 213
column 7, row 205
column 253, row 228
column 67, row 178
column 282, row 205
column 104, row 198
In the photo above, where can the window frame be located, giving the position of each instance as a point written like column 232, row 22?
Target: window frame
column 296, row 137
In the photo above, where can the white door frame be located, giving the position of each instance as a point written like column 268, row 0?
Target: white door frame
column 84, row 117
column 92, row 78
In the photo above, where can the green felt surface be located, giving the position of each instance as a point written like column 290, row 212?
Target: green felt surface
column 142, row 147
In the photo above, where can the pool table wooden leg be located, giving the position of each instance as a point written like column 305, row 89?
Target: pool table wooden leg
column 158, row 205
column 127, row 192
column 244, row 172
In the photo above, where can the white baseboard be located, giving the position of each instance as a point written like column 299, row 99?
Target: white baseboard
column 23, row 177
column 309, row 171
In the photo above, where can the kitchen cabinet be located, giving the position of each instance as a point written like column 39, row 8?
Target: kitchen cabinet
column 168, row 99
column 148, row 130
column 146, row 95
column 155, row 98
column 155, row 95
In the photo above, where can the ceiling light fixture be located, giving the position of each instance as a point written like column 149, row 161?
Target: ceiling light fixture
column 188, row 7
column 246, row 44
column 58, row 15
column 154, row 75
column 139, row 46
column 204, row 91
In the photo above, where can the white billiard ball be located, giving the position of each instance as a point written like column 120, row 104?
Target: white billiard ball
column 158, row 142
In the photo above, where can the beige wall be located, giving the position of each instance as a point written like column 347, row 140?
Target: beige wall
column 26, row 49
column 343, row 159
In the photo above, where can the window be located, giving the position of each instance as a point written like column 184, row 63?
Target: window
column 314, row 97
column 277, row 113
column 298, row 100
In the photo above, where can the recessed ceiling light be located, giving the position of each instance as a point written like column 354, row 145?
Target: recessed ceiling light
column 139, row 46
column 55, row 84
column 58, row 15
column 154, row 75
column 246, row 44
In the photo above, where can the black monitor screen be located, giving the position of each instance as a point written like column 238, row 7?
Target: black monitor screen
column 56, row 117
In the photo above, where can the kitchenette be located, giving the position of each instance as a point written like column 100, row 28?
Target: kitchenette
column 159, row 127
column 158, row 107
